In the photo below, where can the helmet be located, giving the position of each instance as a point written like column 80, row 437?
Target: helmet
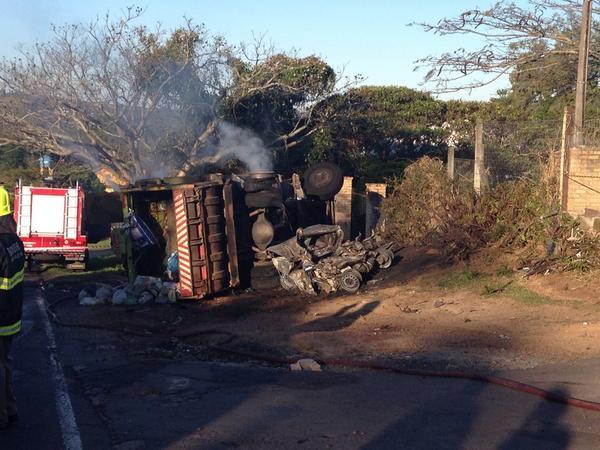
column 4, row 202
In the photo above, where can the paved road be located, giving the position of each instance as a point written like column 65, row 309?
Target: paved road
column 125, row 394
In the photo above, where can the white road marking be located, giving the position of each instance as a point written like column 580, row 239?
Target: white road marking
column 66, row 417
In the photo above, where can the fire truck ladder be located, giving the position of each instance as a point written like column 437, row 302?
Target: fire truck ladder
column 71, row 212
column 24, row 212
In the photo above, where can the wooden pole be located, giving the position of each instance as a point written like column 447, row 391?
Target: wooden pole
column 582, row 71
column 565, row 144
column 450, row 165
column 479, row 181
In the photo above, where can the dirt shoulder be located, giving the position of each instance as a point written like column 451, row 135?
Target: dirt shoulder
column 480, row 315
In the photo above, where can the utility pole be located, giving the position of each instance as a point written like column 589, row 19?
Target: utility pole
column 582, row 71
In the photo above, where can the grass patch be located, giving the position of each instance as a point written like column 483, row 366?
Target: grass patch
column 504, row 271
column 461, row 279
column 101, row 265
column 523, row 295
column 104, row 244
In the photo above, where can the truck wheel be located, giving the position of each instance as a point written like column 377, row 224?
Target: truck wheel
column 86, row 261
column 323, row 180
column 350, row 281
column 385, row 258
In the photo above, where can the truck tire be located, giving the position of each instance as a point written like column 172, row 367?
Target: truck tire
column 323, row 180
column 350, row 281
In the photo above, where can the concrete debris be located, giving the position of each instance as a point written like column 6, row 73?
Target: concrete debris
column 146, row 297
column 144, row 290
column 307, row 364
column 144, row 283
column 119, row 297
column 104, row 294
column 87, row 291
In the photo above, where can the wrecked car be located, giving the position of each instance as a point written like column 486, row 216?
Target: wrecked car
column 317, row 259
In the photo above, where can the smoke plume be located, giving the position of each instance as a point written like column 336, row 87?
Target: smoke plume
column 244, row 145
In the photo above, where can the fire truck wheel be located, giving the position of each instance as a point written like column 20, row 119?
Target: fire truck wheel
column 86, row 261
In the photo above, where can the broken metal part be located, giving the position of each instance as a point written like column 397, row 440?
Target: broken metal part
column 318, row 260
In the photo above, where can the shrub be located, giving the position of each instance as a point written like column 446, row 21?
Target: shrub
column 426, row 208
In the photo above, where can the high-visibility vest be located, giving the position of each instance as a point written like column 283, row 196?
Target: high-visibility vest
column 12, row 273
column 4, row 202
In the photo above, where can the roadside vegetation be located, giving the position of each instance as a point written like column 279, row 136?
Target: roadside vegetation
column 520, row 217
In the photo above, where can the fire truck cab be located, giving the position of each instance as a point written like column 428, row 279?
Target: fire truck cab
column 49, row 222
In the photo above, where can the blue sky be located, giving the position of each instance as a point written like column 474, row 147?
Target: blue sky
column 370, row 38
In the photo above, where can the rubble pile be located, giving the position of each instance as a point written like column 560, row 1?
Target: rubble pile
column 318, row 259
column 143, row 290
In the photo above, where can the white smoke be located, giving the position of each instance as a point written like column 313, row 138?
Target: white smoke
column 244, row 145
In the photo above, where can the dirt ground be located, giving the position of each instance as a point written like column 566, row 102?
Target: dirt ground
column 482, row 315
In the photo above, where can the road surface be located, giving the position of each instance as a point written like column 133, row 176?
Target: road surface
column 99, row 390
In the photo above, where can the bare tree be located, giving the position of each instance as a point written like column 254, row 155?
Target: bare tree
column 513, row 39
column 133, row 102
column 111, row 92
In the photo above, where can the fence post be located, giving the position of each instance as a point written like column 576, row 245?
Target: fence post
column 479, row 180
column 565, row 144
column 450, row 165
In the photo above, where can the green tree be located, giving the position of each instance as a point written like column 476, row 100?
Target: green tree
column 373, row 130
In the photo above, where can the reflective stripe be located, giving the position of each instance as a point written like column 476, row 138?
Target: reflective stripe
column 6, row 284
column 10, row 329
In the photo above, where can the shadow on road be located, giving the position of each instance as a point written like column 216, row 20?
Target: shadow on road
column 342, row 318
column 542, row 428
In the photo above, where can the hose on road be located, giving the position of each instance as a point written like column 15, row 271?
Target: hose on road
column 344, row 363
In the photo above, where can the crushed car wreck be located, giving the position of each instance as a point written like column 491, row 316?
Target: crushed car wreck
column 317, row 259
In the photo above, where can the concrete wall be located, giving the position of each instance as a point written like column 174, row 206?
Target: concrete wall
column 343, row 207
column 376, row 192
column 583, row 180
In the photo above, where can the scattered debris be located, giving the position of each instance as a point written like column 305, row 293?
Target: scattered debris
column 144, row 290
column 306, row 364
column 439, row 303
column 119, row 297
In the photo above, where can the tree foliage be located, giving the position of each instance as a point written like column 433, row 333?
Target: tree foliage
column 373, row 130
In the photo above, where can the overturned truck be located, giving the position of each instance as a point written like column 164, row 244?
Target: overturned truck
column 213, row 233
column 183, row 229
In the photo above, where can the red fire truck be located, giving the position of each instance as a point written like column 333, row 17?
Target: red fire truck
column 49, row 222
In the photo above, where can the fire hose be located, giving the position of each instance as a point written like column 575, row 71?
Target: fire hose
column 345, row 363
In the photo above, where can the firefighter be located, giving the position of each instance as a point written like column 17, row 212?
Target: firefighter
column 12, row 267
